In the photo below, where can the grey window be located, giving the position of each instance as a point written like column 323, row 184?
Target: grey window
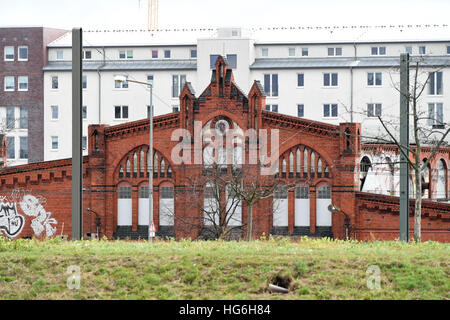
column 408, row 49
column 9, row 84
column 330, row 79
column 129, row 54
column 10, row 148
column 448, row 49
column 23, row 123
column 10, row 118
column 280, row 193
column 178, row 82
column 232, row 61
column 84, row 112
column 435, row 114
column 271, row 84
column 166, row 193
column 382, row 51
column 193, row 53
column 291, row 52
column 274, row 108
column 300, row 110
column 84, row 142
column 374, row 51
column 59, row 54
column 304, row 52
column 124, row 192
column 55, row 112
column 300, row 80
column 54, row 82
column 265, row 52
column 268, row 107
column 23, row 153
column 435, row 83
column 323, row 193
column 144, row 192
column 175, row 108
column 121, row 112
column 212, row 60
column 374, row 109
column 22, row 83
column 330, row 110
column 374, row 78
column 9, row 53
column 331, row 51
column 302, row 193
column 422, row 49
column 166, row 54
column 84, row 82
column 55, row 143
column 122, row 54
column 23, row 53
column 87, row 55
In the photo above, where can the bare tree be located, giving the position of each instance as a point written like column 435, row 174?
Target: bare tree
column 428, row 130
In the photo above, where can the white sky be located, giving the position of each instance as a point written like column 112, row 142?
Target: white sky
column 122, row 14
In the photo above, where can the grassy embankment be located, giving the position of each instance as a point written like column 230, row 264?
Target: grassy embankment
column 312, row 269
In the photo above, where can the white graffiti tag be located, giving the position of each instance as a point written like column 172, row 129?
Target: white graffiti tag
column 10, row 221
column 32, row 207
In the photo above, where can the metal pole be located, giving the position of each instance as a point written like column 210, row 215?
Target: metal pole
column 404, row 141
column 150, row 174
column 77, row 161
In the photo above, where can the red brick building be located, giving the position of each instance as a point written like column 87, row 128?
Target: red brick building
column 320, row 160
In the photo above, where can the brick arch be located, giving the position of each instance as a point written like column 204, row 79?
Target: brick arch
column 317, row 169
column 225, row 113
column 121, row 173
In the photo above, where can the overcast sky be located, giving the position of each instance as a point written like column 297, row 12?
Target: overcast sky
column 115, row 14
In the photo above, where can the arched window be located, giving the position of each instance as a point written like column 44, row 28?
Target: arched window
column 135, row 165
column 208, row 157
column 299, row 159
column 283, row 168
column 163, row 169
column 280, row 207
column 237, row 156
column 319, row 168
column 313, row 164
column 166, row 204
column 302, row 206
column 155, row 165
column 305, row 163
column 365, row 166
column 426, row 180
column 124, row 205
column 142, row 164
column 144, row 205
column 211, row 209
column 233, row 209
column 291, row 165
column 390, row 172
column 323, row 215
column 441, row 180
column 121, row 172
column 169, row 172
column 128, row 168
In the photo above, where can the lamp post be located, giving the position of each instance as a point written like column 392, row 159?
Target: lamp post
column 333, row 209
column 150, row 152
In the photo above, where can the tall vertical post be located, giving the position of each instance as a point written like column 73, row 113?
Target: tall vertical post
column 150, row 174
column 404, row 142
column 77, row 173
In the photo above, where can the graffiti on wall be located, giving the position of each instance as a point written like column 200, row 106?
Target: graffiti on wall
column 12, row 222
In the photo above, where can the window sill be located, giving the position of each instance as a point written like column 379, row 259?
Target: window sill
column 9, row 90
column 330, row 87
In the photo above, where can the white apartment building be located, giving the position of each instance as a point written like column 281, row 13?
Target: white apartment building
column 329, row 74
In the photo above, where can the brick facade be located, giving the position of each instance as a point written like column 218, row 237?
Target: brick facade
column 118, row 158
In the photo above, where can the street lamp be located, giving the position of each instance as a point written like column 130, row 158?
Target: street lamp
column 121, row 78
column 333, row 209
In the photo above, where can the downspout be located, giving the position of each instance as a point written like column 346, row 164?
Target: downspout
column 100, row 88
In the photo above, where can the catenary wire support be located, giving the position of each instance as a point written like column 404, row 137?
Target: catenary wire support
column 77, row 160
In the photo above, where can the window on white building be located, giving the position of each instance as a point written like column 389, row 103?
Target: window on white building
column 9, row 53
column 232, row 61
column 84, row 112
column 84, row 142
column 436, row 114
column 55, row 143
column 121, row 84
column 330, row 110
column 59, row 55
column 448, row 49
column 300, row 79
column 304, row 52
column 23, row 151
column 375, row 51
column 335, row 51
column 422, row 50
column 10, row 148
column 374, row 109
column 374, row 79
column 23, row 53
column 22, row 83
column 330, row 79
column 271, row 84
column 9, row 84
column 178, row 81
column 193, row 53
column 121, row 112
column 154, row 54
column 55, row 83
column 300, row 110
column 435, row 83
column 87, row 54
column 272, row 107
column 265, row 52
column 126, row 54
column 23, row 121
column 84, row 82
column 408, row 49
column 55, row 112
column 291, row 52
column 167, row 54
